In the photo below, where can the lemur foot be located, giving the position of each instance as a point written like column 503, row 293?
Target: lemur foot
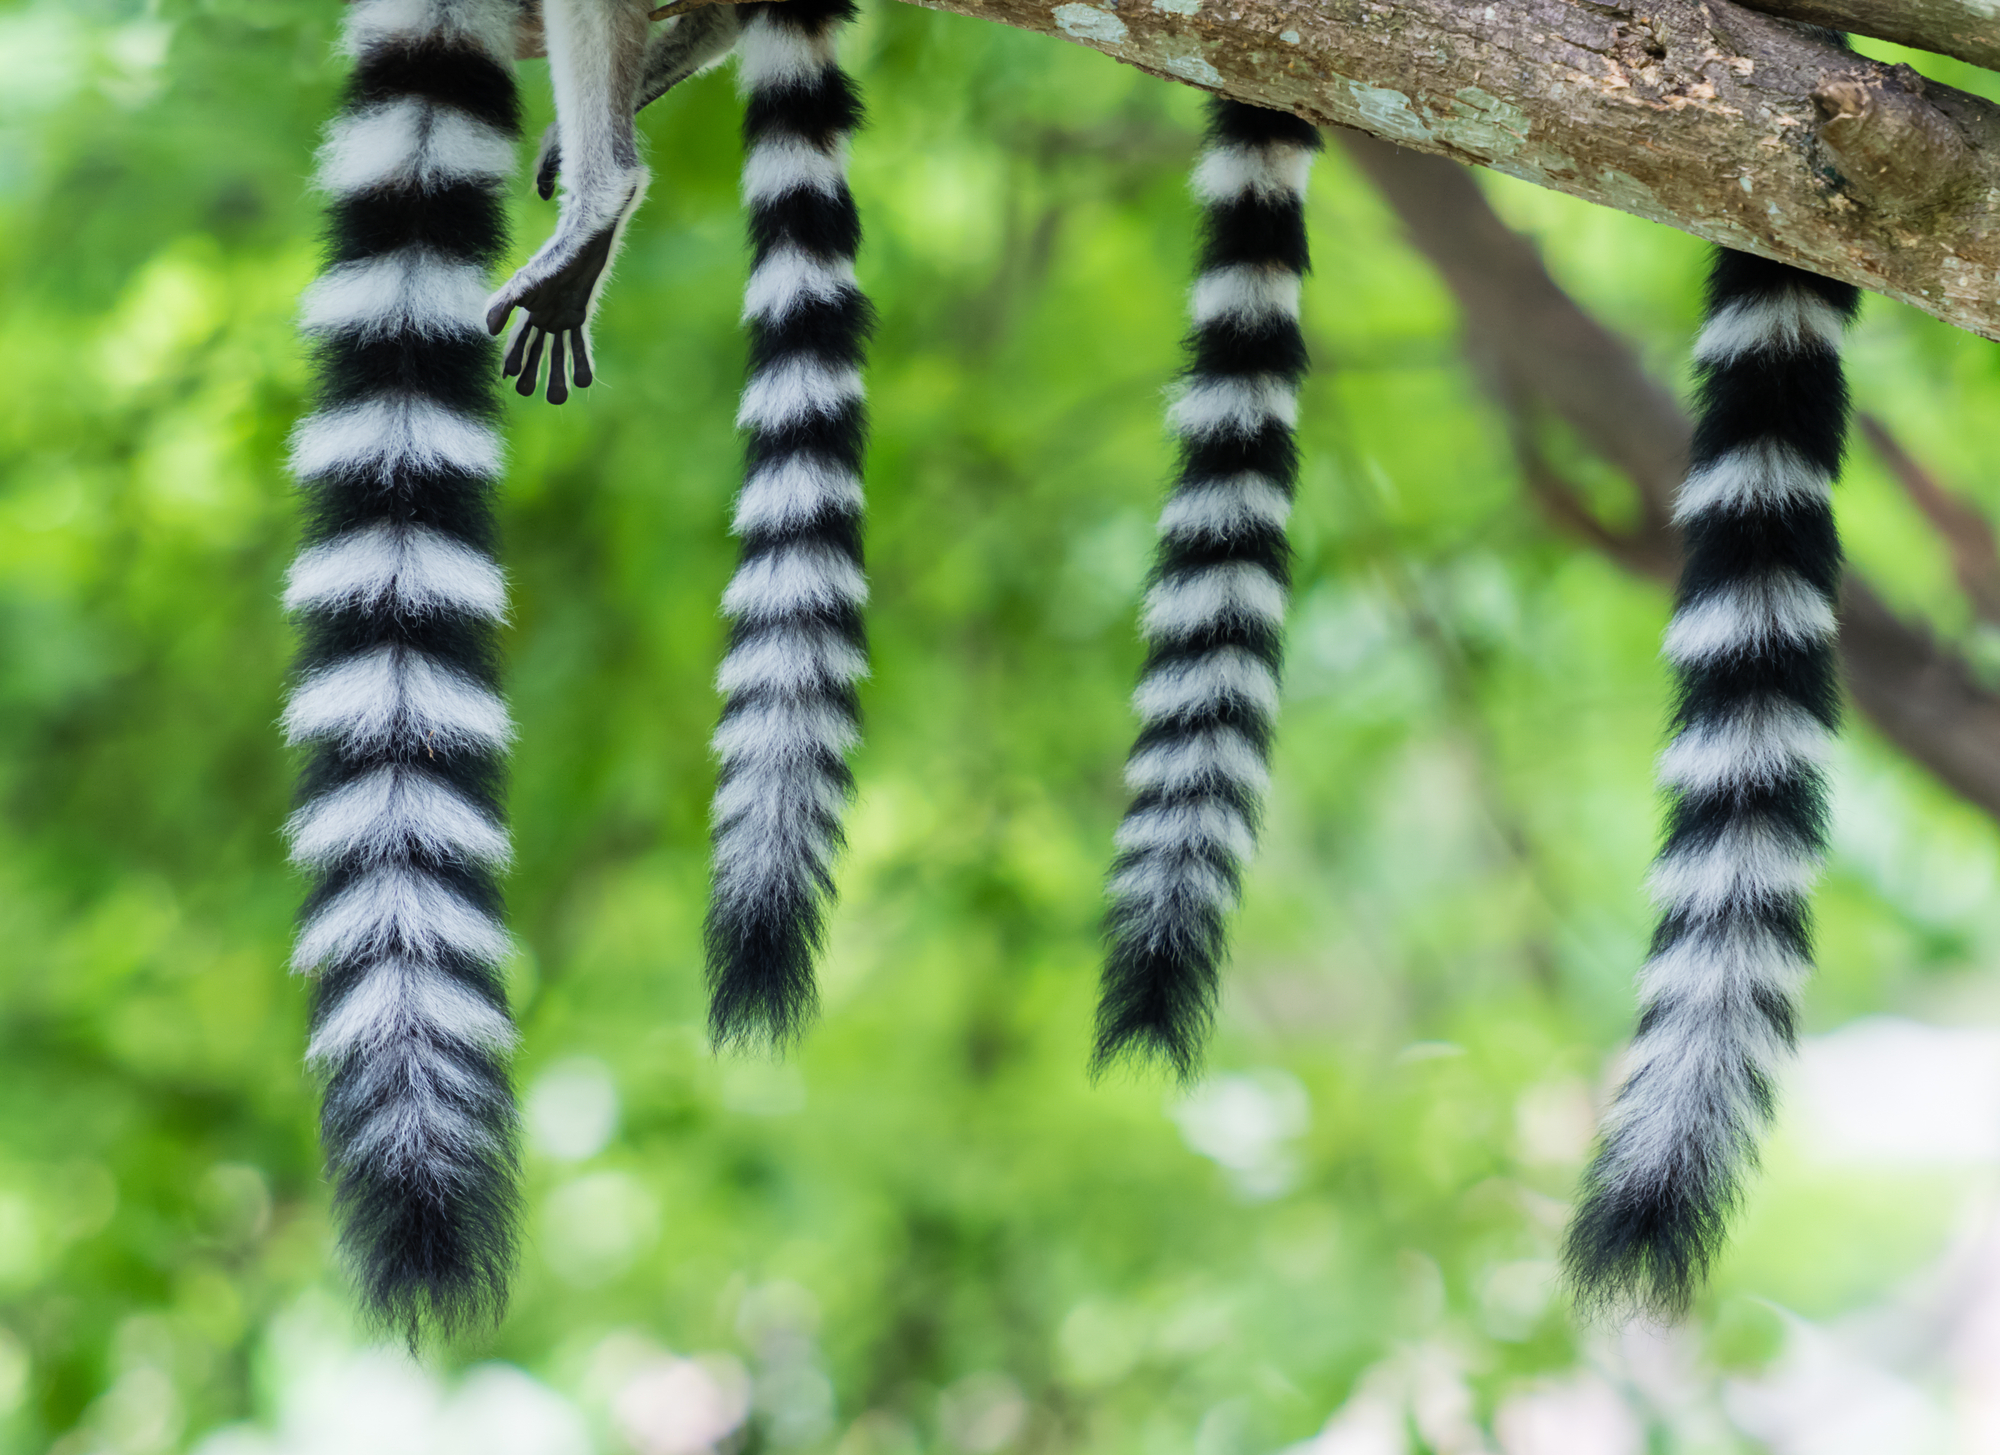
column 557, row 304
column 556, row 287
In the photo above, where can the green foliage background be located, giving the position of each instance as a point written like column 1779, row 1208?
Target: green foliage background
column 1433, row 960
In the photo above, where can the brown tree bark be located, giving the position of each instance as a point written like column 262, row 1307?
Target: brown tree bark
column 1727, row 123
column 1967, row 29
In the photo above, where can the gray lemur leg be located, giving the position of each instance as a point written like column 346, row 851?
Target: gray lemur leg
column 596, row 54
column 686, row 46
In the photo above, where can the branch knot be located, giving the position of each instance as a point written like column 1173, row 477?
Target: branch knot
column 1894, row 150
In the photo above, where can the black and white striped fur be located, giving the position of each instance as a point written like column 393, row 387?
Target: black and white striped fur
column 1752, row 645
column 1214, row 614
column 395, row 700
column 796, row 645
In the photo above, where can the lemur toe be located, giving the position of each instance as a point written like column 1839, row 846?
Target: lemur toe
column 512, row 364
column 499, row 311
column 558, row 372
column 531, row 368
column 569, row 361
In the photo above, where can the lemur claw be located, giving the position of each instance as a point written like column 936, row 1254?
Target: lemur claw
column 557, row 305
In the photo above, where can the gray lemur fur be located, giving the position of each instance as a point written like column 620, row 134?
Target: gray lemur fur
column 688, row 45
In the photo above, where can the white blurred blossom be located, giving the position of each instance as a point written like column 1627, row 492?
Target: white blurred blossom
column 379, row 1402
column 596, row 1225
column 571, row 1112
column 1244, row 1122
column 796, row 1402
column 675, row 1406
column 1371, row 1422
column 778, row 1320
column 1825, row 1397
column 983, row 1413
column 1890, row 1092
column 1577, row 1415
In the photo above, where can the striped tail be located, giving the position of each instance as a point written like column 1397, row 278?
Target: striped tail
column 398, row 597
column 1752, row 645
column 1214, row 616
column 796, row 645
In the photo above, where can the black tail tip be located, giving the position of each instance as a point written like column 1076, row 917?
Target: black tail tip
column 430, row 1309
column 1642, row 1253
column 762, row 991
column 1143, row 1040
column 1157, row 1006
column 432, row 1266
column 741, row 1019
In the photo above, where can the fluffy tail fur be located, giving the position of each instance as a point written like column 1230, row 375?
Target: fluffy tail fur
column 796, row 644
column 1214, row 617
column 1752, row 642
column 398, row 595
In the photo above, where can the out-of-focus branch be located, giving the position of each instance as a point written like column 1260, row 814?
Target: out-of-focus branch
column 1535, row 348
column 1530, row 343
column 1644, row 553
column 1967, row 29
column 1967, row 534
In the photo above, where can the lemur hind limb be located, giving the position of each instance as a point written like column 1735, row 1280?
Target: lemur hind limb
column 686, row 46
column 606, row 63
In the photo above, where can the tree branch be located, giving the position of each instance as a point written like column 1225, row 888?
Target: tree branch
column 1967, row 29
column 1696, row 113
column 1531, row 342
column 1967, row 534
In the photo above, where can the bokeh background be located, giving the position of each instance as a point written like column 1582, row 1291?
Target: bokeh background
column 927, row 1231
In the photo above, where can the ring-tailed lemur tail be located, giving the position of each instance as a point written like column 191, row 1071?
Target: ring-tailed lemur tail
column 796, row 644
column 398, row 596
column 1214, row 615
column 1752, row 644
